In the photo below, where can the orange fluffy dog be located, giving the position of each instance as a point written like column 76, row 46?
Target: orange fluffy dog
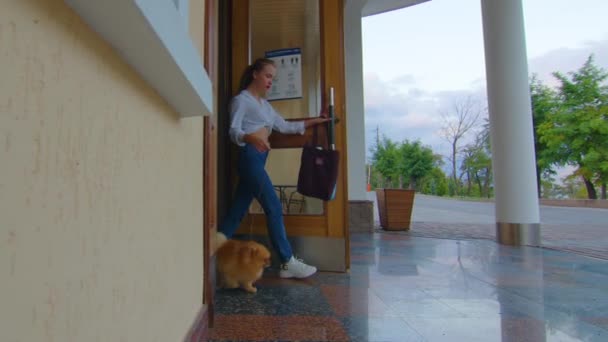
column 241, row 263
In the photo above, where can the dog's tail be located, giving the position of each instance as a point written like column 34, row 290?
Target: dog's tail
column 217, row 241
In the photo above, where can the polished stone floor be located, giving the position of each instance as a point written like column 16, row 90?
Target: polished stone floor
column 406, row 288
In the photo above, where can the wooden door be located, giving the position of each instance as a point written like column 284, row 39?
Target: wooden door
column 319, row 235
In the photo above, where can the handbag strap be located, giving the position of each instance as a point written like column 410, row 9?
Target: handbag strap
column 327, row 134
column 315, row 138
column 315, row 135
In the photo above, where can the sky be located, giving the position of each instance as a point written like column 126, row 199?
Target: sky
column 419, row 61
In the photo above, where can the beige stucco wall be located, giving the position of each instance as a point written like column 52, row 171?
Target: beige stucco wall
column 100, row 190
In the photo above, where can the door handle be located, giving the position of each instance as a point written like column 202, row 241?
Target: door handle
column 332, row 123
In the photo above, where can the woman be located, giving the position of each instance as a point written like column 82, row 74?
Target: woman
column 252, row 121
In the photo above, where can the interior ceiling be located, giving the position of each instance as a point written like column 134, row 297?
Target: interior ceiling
column 283, row 23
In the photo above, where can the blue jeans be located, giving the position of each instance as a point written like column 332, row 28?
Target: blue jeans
column 255, row 182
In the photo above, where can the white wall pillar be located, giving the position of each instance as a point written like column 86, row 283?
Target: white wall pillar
column 353, row 47
column 517, row 211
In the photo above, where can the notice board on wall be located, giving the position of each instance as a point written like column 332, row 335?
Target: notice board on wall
column 288, row 80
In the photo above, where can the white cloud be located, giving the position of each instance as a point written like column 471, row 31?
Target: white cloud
column 401, row 109
column 565, row 60
column 411, row 113
column 405, row 80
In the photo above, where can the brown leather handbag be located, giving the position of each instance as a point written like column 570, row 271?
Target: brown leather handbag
column 318, row 170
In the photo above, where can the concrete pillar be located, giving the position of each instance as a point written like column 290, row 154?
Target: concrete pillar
column 353, row 48
column 517, row 211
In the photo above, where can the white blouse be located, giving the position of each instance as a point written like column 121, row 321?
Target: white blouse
column 248, row 115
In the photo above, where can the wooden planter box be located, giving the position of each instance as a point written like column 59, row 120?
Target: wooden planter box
column 395, row 208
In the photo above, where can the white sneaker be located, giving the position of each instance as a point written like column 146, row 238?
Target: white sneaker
column 295, row 268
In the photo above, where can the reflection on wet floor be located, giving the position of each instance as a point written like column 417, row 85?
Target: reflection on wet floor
column 403, row 288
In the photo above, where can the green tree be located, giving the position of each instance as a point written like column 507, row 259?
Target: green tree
column 401, row 164
column 435, row 182
column 415, row 162
column 477, row 163
column 573, row 187
column 385, row 160
column 477, row 166
column 577, row 132
column 544, row 102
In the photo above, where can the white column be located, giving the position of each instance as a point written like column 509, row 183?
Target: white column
column 353, row 48
column 517, row 211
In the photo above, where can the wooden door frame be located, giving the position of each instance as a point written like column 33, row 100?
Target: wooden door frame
column 210, row 62
column 334, row 222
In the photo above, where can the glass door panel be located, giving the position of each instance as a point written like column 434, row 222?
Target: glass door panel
column 289, row 24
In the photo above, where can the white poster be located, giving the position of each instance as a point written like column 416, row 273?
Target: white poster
column 287, row 84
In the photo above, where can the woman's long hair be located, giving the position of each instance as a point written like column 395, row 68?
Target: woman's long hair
column 257, row 66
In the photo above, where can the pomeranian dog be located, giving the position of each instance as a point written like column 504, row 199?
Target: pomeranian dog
column 240, row 263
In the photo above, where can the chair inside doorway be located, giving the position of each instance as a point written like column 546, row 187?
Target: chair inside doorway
column 292, row 202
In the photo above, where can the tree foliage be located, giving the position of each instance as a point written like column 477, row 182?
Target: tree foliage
column 544, row 102
column 435, row 183
column 402, row 164
column 416, row 161
column 576, row 132
column 477, row 165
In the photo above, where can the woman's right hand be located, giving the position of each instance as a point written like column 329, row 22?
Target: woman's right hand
column 259, row 140
column 316, row 121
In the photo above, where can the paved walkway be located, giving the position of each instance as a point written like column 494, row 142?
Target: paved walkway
column 579, row 230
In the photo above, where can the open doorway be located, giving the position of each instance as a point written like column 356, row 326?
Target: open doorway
column 311, row 224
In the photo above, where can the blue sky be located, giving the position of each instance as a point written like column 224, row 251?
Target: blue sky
column 417, row 61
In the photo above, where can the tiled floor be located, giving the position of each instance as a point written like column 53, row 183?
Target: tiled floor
column 587, row 239
column 404, row 288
